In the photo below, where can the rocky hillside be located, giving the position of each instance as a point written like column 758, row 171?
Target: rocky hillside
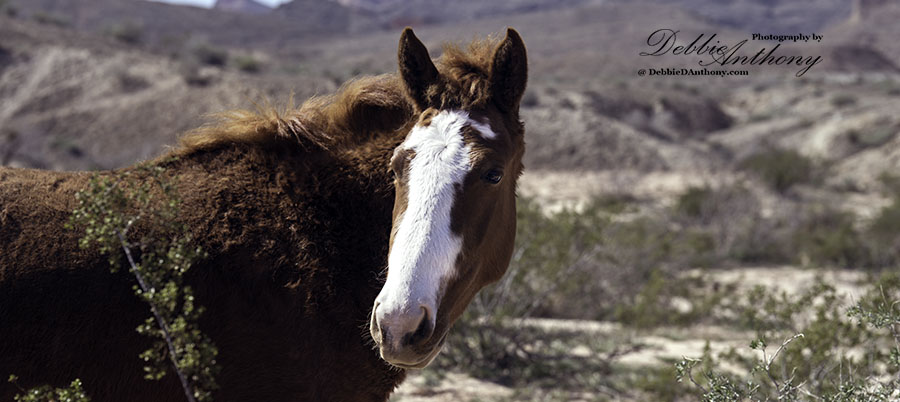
column 79, row 101
column 80, row 97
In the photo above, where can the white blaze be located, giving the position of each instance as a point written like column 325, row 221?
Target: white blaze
column 424, row 251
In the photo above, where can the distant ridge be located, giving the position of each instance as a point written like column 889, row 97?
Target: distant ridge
column 242, row 6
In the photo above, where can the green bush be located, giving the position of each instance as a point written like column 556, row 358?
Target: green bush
column 780, row 169
column 247, row 64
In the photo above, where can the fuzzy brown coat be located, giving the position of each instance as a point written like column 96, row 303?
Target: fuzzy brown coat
column 297, row 241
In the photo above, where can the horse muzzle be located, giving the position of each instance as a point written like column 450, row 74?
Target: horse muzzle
column 405, row 336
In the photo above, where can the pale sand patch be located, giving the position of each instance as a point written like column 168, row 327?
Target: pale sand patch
column 789, row 279
column 556, row 190
column 453, row 387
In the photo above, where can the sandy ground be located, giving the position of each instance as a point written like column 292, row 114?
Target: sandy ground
column 568, row 189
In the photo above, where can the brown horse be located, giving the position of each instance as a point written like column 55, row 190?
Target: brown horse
column 300, row 214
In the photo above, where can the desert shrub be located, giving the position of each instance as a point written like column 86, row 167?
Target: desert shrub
column 780, row 169
column 577, row 264
column 730, row 217
column 195, row 75
column 694, row 201
column 826, row 236
column 843, row 100
column 551, row 263
column 890, row 183
column 607, row 262
column 51, row 19
column 247, row 64
column 130, row 83
column 873, row 137
column 210, row 55
column 655, row 303
column 823, row 349
column 549, row 259
column 126, row 32
column 8, row 9
column 760, row 117
column 883, row 234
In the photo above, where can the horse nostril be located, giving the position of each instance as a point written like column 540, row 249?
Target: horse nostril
column 375, row 326
column 423, row 330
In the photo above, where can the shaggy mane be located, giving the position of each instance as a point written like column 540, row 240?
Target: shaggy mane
column 361, row 107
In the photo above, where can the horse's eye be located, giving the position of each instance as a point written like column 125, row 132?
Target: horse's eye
column 493, row 176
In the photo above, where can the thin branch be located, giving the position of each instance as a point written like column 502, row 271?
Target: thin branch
column 173, row 356
column 690, row 373
column 771, row 359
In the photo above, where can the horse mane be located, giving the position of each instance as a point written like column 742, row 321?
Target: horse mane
column 360, row 108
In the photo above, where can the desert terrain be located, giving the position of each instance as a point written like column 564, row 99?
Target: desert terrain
column 673, row 198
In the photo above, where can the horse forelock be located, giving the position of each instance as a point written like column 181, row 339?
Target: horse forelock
column 465, row 70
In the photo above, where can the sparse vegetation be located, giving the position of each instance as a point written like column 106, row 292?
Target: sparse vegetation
column 837, row 353
column 564, row 257
column 781, row 169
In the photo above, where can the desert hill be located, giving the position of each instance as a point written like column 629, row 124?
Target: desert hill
column 79, row 97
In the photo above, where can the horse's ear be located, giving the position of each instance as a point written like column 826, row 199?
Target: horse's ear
column 416, row 68
column 509, row 71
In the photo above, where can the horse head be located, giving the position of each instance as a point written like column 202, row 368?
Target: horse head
column 454, row 216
